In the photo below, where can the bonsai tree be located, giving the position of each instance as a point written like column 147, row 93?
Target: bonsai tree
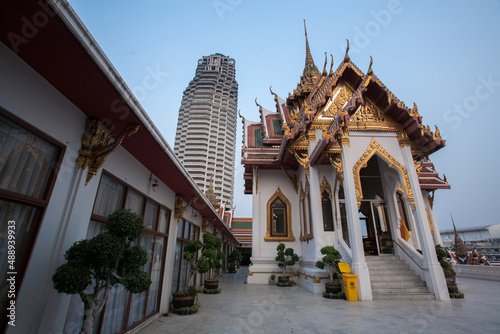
column 190, row 254
column 286, row 257
column 234, row 258
column 211, row 258
column 330, row 262
column 447, row 267
column 105, row 261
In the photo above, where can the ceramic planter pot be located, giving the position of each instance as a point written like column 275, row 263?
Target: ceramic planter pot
column 211, row 284
column 333, row 287
column 183, row 301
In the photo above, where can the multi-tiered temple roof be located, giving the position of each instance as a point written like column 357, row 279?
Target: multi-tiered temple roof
column 323, row 109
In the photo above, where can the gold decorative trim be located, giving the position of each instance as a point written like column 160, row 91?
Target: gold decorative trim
column 96, row 145
column 403, row 139
column 374, row 147
column 337, row 164
column 303, row 161
column 325, row 186
column 290, row 237
column 429, row 219
column 204, row 225
column 179, row 210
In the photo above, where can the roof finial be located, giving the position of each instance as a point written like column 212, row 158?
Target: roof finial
column 346, row 57
column 310, row 66
column 370, row 71
column 331, row 67
column 324, row 66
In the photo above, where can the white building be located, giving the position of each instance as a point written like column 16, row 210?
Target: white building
column 205, row 140
column 343, row 162
column 57, row 89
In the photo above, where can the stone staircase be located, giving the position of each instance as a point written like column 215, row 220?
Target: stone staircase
column 392, row 279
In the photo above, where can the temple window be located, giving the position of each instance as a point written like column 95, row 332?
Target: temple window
column 279, row 224
column 343, row 216
column 326, row 205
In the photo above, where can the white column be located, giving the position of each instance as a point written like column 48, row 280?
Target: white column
column 358, row 265
column 316, row 207
column 434, row 277
column 256, row 216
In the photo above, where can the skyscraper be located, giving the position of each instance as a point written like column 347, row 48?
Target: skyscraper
column 206, row 129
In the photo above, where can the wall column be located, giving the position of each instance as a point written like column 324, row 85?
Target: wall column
column 358, row 265
column 256, row 216
column 434, row 277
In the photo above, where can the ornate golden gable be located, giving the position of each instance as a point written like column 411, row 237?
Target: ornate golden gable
column 370, row 117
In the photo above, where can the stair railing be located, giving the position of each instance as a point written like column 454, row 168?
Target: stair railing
column 410, row 256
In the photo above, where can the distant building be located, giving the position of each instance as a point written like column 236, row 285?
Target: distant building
column 242, row 230
column 484, row 239
column 206, row 128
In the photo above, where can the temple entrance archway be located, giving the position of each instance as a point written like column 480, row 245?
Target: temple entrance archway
column 373, row 215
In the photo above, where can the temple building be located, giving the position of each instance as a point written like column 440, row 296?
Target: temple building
column 206, row 127
column 342, row 161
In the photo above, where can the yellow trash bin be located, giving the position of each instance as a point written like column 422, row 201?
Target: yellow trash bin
column 350, row 282
column 350, row 287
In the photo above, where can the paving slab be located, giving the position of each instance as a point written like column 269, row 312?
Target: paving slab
column 242, row 308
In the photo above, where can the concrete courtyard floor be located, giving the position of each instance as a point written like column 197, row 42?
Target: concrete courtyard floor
column 242, row 308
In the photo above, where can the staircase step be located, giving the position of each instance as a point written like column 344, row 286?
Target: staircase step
column 396, row 291
column 412, row 296
column 395, row 284
column 392, row 279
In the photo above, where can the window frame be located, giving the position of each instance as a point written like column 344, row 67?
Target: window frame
column 40, row 203
column 270, row 236
column 103, row 220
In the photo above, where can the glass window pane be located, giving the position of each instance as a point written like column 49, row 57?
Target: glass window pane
column 116, row 308
column 110, row 196
column 327, row 212
column 164, row 221
column 135, row 202
column 26, row 160
column 151, row 215
column 177, row 263
column 186, row 230
column 343, row 220
column 180, row 228
column 156, row 270
column 17, row 220
column 137, row 308
column 278, row 221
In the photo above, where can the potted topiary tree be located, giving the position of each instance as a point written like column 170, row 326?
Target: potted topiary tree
column 286, row 257
column 186, row 298
column 105, row 261
column 211, row 258
column 234, row 259
column 330, row 262
column 449, row 273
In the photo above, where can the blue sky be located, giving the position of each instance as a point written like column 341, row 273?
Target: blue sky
column 443, row 55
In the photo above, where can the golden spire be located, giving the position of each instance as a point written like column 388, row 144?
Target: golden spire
column 460, row 249
column 310, row 67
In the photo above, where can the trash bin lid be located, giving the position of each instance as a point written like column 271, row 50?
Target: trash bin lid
column 350, row 276
column 344, row 267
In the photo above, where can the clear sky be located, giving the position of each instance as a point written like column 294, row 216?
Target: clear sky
column 443, row 55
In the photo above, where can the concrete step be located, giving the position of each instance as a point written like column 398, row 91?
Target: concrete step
column 392, row 279
column 397, row 284
column 409, row 296
column 396, row 291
